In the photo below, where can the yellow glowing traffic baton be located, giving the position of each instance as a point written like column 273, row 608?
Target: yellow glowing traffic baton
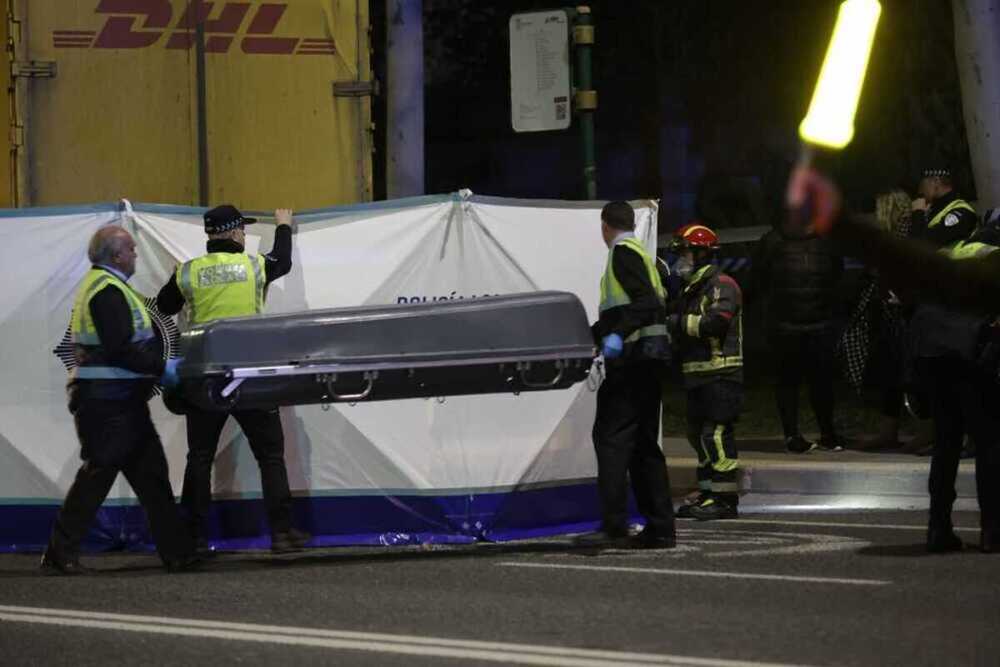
column 830, row 120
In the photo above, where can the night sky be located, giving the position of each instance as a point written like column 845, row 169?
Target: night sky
column 700, row 102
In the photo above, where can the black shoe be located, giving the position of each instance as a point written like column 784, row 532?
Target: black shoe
column 989, row 541
column 831, row 443
column 602, row 539
column 649, row 539
column 714, row 509
column 67, row 567
column 943, row 540
column 799, row 445
column 684, row 510
column 188, row 563
column 288, row 541
column 203, row 549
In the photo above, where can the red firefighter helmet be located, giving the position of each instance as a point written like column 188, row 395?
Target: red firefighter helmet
column 695, row 235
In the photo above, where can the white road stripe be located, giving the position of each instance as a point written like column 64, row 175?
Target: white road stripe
column 831, row 524
column 527, row 654
column 702, row 573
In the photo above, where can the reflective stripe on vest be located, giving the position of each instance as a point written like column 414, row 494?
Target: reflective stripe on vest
column 614, row 295
column 716, row 364
column 84, row 332
column 958, row 204
column 969, row 249
column 222, row 284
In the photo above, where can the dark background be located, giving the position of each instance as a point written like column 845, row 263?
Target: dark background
column 699, row 106
column 700, row 102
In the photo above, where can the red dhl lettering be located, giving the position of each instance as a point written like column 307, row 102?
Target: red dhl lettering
column 139, row 24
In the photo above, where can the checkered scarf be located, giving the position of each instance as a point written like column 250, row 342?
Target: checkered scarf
column 854, row 349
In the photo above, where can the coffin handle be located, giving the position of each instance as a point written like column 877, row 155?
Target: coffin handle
column 523, row 368
column 369, row 377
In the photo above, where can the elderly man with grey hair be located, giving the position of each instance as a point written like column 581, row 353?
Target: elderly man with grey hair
column 119, row 360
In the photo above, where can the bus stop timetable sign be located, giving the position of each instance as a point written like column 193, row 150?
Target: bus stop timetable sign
column 539, row 71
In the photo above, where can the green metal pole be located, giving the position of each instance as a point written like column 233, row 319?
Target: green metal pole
column 586, row 96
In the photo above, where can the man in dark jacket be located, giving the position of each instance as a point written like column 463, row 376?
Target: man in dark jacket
column 632, row 333
column 799, row 276
column 119, row 359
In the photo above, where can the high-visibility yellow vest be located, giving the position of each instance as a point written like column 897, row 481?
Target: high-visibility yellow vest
column 969, row 249
column 613, row 294
column 85, row 334
column 957, row 205
column 222, row 284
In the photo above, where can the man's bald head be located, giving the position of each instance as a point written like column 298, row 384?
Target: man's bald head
column 113, row 246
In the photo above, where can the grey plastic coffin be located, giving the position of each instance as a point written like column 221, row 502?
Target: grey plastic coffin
column 517, row 343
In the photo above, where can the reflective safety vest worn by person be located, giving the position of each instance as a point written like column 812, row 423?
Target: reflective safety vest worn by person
column 92, row 363
column 949, row 219
column 222, row 284
column 954, row 207
column 969, row 249
column 651, row 341
column 711, row 327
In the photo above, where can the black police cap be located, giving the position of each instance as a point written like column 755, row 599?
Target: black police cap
column 224, row 218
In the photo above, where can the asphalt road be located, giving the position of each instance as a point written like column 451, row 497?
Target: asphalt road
column 805, row 589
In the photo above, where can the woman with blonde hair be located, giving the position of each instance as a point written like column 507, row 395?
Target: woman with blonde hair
column 872, row 342
column 892, row 211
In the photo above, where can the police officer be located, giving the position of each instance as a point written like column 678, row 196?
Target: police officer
column 227, row 282
column 709, row 329
column 940, row 216
column 944, row 344
column 119, row 359
column 633, row 337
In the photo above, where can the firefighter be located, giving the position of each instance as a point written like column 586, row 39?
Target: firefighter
column 708, row 329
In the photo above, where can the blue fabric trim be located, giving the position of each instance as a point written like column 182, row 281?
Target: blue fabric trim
column 171, row 209
column 302, row 216
column 338, row 520
column 48, row 211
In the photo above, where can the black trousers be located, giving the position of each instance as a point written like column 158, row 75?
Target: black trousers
column 962, row 402
column 627, row 441
column 806, row 356
column 263, row 430
column 712, row 412
column 119, row 436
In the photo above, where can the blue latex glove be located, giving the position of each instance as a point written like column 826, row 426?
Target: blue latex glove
column 612, row 346
column 170, row 379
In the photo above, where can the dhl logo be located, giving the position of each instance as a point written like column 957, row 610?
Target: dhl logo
column 138, row 24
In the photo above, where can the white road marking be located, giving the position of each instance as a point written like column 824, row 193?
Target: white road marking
column 527, row 654
column 831, row 524
column 792, row 544
column 702, row 573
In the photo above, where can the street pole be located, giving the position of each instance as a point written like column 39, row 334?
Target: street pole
column 404, row 98
column 585, row 99
column 977, row 29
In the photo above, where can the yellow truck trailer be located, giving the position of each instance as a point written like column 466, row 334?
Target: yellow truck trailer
column 261, row 103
